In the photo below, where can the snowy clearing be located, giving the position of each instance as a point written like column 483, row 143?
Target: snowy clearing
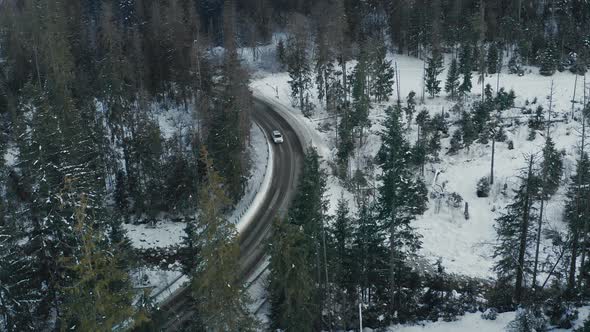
column 463, row 245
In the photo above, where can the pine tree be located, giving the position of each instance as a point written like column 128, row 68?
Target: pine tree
column 217, row 291
column 434, row 67
column 401, row 198
column 452, row 84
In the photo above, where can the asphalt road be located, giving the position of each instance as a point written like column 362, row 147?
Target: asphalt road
column 288, row 160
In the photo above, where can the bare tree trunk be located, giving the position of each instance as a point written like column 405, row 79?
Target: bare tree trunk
column 576, row 235
column 538, row 241
column 551, row 93
column 423, row 81
column 574, row 96
column 482, row 35
column 523, row 236
column 328, row 298
column 493, row 155
column 392, row 287
column 585, row 236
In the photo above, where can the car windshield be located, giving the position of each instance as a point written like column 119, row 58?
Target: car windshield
column 277, row 134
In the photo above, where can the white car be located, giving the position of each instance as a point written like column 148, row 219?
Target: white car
column 277, row 137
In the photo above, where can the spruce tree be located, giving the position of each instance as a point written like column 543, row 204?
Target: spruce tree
column 281, row 52
column 291, row 284
column 492, row 61
column 61, row 165
column 455, row 143
column 229, row 128
column 384, row 74
column 342, row 263
column 434, row 67
column 466, row 85
column 551, row 167
column 515, row 231
column 577, row 214
column 18, row 294
column 324, row 69
column 423, row 122
column 465, row 58
column 468, row 129
column 452, row 84
column 346, row 139
column 515, row 64
column 548, row 60
column 360, row 93
column 101, row 295
column 300, row 72
column 410, row 107
column 370, row 254
column 308, row 211
column 401, row 198
column 465, row 68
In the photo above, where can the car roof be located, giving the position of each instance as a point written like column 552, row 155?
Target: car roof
column 276, row 132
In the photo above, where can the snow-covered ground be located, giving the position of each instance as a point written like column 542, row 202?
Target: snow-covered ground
column 164, row 233
column 10, row 156
column 473, row 322
column 463, row 245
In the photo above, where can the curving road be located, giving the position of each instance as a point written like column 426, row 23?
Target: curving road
column 288, row 159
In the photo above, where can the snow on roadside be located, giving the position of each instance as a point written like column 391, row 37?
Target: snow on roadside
column 167, row 233
column 258, row 180
column 161, row 282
